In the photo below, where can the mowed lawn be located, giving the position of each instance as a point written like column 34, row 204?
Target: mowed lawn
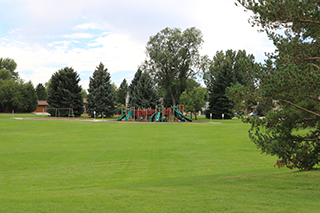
column 86, row 166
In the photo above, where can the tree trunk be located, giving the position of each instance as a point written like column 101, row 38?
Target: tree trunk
column 172, row 96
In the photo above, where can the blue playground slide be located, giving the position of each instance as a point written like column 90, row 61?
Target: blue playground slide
column 152, row 117
column 180, row 116
column 158, row 116
column 130, row 113
column 123, row 115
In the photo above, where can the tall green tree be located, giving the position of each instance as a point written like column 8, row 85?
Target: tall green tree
column 101, row 97
column 228, row 69
column 5, row 74
column 173, row 58
column 114, row 87
column 142, row 91
column 146, row 93
column 83, row 93
column 29, row 97
column 218, row 78
column 41, row 92
column 291, row 77
column 194, row 100
column 10, row 65
column 122, row 92
column 10, row 95
column 17, row 95
column 64, row 91
column 133, row 91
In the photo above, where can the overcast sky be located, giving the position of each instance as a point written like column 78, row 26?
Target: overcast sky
column 45, row 36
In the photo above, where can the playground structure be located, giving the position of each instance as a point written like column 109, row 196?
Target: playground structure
column 159, row 114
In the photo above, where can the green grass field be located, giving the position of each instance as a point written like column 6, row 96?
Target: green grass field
column 86, row 166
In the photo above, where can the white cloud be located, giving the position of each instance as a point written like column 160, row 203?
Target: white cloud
column 117, row 52
column 15, row 31
column 78, row 35
column 225, row 26
column 59, row 43
column 87, row 26
column 49, row 35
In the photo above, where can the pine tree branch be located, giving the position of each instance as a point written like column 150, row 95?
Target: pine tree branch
column 315, row 66
column 313, row 58
column 309, row 59
column 305, row 119
column 309, row 21
column 310, row 139
column 304, row 96
column 301, row 108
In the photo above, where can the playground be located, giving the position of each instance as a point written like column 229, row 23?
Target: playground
column 159, row 114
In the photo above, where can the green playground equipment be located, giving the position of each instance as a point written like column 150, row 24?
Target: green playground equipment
column 160, row 114
column 124, row 113
column 152, row 117
column 157, row 115
column 130, row 113
column 179, row 115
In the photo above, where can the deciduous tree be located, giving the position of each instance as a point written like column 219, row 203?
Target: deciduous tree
column 10, row 95
column 194, row 100
column 5, row 74
column 173, row 57
column 83, row 93
column 8, row 64
column 17, row 95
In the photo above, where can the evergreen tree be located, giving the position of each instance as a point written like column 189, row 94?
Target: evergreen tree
column 65, row 92
column 291, row 76
column 29, row 97
column 41, row 92
column 146, row 93
column 133, row 99
column 221, row 77
column 229, row 68
column 101, row 97
column 122, row 92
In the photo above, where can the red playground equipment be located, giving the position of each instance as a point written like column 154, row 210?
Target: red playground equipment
column 160, row 114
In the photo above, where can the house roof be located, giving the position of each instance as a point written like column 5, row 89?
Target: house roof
column 42, row 103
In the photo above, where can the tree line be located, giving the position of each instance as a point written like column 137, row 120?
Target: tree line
column 170, row 72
